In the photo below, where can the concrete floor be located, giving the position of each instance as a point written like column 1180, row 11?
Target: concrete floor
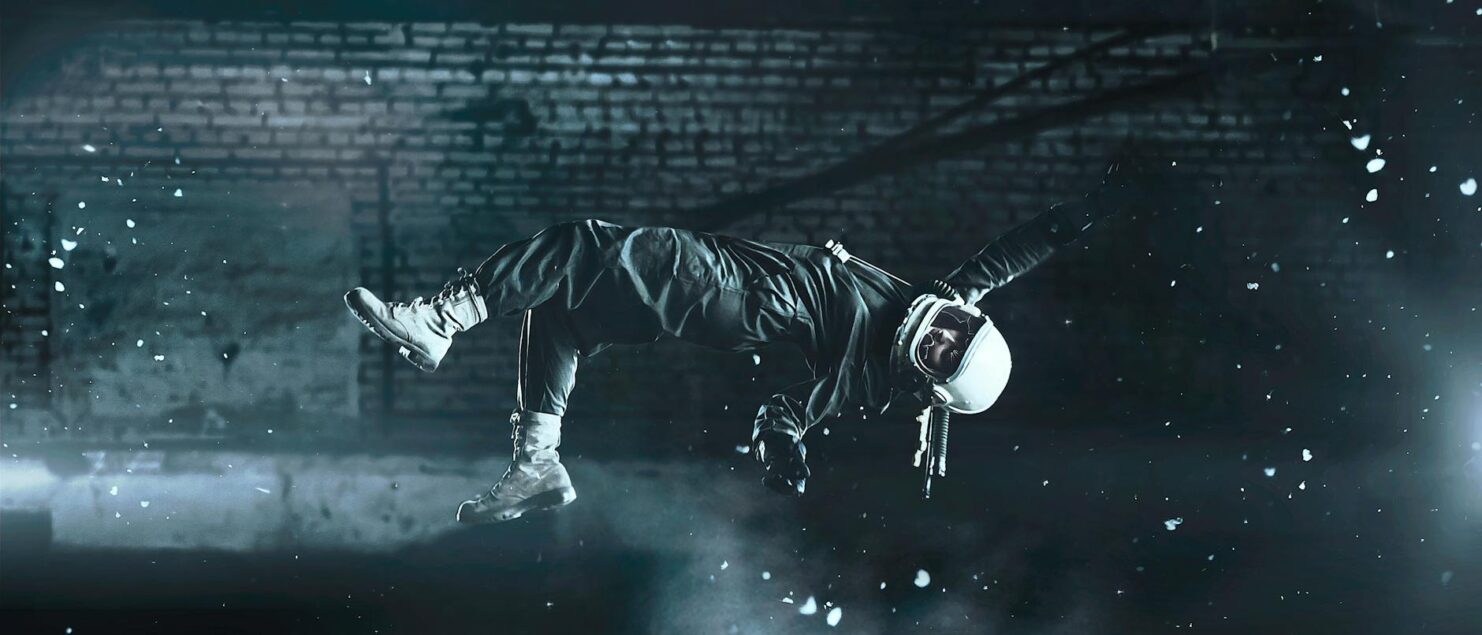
column 1068, row 533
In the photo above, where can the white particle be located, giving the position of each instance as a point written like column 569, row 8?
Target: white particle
column 159, row 358
column 262, row 489
column 1276, row 267
column 1345, row 220
column 1172, row 523
column 68, row 245
column 756, row 360
column 1270, row 472
column 1344, row 92
column 1389, row 254
column 1317, row 58
column 82, row 205
column 1376, row 164
column 1360, row 142
column 834, row 615
column 809, row 607
column 922, row 578
column 59, row 286
column 1172, row 283
column 179, row 193
column 1302, row 485
column 1372, row 196
column 138, row 343
column 1306, row 454
column 113, row 491
column 89, row 147
column 766, row 575
column 367, row 78
column 129, row 222
column 144, row 503
column 1468, row 187
column 56, row 263
column 1252, row 285
column 725, row 564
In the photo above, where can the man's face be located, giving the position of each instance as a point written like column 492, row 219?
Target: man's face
column 941, row 349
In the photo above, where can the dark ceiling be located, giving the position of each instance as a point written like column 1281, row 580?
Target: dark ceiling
column 1226, row 13
column 31, row 29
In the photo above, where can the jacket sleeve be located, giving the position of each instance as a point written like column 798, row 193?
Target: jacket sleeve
column 786, row 411
column 1007, row 257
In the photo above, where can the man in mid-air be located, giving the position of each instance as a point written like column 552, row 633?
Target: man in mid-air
column 867, row 336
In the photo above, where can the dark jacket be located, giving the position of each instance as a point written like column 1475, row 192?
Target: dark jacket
column 607, row 284
column 849, row 313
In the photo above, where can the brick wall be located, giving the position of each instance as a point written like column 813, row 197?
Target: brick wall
column 419, row 147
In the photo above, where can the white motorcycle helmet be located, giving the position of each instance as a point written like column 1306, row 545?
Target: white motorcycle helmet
column 967, row 382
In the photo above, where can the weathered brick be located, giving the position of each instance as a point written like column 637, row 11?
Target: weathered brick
column 251, row 89
column 193, row 88
column 299, row 55
column 629, row 119
column 529, row 29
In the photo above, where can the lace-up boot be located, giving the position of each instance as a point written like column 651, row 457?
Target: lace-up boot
column 535, row 480
column 422, row 328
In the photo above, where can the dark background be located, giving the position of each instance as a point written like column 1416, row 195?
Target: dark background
column 197, row 436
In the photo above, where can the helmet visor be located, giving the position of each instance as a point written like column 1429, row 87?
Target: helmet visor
column 946, row 340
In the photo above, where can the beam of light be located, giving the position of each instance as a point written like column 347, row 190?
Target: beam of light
column 26, row 484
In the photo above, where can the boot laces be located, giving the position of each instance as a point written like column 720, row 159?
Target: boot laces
column 461, row 281
column 516, row 435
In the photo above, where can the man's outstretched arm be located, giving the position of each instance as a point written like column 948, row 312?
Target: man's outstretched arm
column 1026, row 246
column 1007, row 257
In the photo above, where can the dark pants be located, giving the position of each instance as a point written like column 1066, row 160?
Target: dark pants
column 586, row 285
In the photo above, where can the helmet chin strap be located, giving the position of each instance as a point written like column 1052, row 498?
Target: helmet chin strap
column 935, row 419
column 931, row 444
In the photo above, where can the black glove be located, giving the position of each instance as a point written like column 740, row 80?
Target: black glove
column 1120, row 187
column 1067, row 221
column 1125, row 184
column 786, row 462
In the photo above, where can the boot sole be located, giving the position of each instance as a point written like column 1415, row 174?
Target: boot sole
column 409, row 351
column 558, row 497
